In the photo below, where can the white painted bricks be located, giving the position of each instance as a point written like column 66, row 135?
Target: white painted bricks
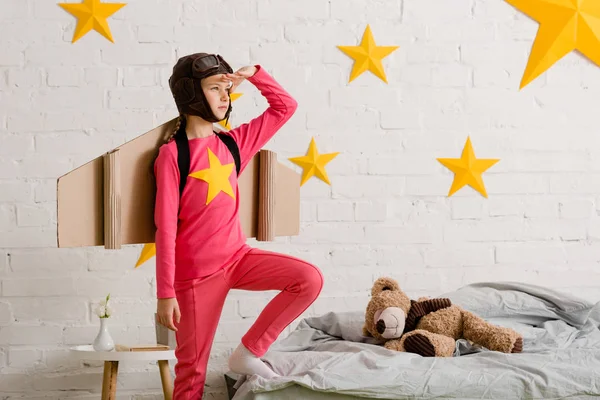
column 455, row 74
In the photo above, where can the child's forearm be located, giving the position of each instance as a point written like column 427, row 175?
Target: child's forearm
column 252, row 136
column 278, row 98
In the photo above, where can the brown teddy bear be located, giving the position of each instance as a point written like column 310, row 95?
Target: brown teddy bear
column 429, row 327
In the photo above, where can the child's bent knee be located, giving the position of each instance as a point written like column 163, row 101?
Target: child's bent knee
column 314, row 280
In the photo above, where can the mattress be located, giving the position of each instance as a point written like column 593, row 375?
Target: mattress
column 326, row 357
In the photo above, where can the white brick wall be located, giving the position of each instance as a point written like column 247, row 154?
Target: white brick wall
column 456, row 73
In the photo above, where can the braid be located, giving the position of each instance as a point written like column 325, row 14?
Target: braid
column 181, row 123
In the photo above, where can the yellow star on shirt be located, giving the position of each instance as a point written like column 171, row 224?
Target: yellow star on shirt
column 217, row 177
column 313, row 163
column 234, row 97
column 565, row 25
column 467, row 170
column 92, row 14
column 368, row 56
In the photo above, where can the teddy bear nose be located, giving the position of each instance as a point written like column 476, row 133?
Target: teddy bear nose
column 380, row 326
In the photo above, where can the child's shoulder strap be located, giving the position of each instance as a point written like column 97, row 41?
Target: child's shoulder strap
column 183, row 158
column 233, row 149
column 183, row 155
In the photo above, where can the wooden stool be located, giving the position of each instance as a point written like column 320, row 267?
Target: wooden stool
column 111, row 366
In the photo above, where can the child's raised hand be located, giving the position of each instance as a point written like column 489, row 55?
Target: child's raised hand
column 238, row 76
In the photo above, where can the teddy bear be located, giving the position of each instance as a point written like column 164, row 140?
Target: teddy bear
column 429, row 327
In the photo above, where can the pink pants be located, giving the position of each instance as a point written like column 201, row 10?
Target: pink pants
column 201, row 302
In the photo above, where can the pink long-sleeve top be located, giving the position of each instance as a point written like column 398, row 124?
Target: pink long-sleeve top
column 208, row 234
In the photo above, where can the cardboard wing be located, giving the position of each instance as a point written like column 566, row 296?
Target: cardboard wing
column 110, row 200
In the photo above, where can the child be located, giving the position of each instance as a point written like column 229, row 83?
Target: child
column 201, row 251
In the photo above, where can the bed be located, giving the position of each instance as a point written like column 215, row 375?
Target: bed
column 327, row 357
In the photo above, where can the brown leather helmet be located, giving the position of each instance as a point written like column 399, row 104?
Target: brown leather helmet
column 185, row 83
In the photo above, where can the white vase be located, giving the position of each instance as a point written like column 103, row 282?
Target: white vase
column 104, row 342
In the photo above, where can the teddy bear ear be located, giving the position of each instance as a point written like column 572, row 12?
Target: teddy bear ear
column 383, row 284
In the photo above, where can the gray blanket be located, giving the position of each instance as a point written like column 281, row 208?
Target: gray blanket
column 560, row 359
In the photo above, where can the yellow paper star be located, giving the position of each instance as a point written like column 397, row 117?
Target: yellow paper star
column 313, row 163
column 368, row 56
column 565, row 25
column 148, row 252
column 467, row 170
column 234, row 97
column 92, row 14
column 217, row 177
